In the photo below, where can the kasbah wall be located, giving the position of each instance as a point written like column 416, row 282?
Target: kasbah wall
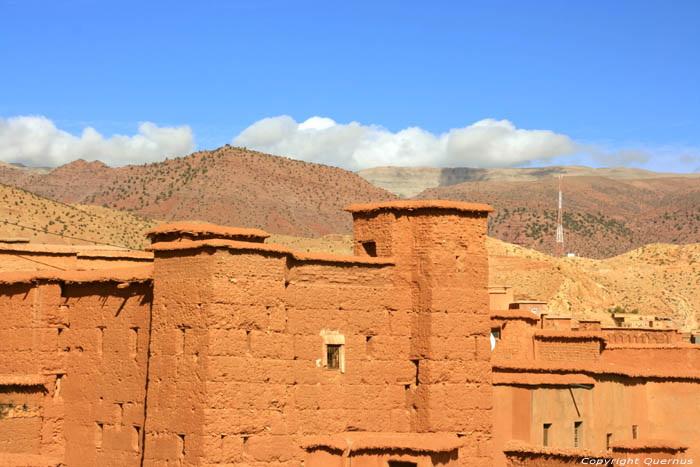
column 218, row 349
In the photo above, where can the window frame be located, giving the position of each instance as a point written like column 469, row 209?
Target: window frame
column 333, row 339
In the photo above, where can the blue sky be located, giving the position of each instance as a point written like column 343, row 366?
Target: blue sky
column 610, row 83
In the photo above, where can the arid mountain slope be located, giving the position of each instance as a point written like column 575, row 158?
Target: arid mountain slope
column 410, row 181
column 659, row 279
column 231, row 186
column 44, row 217
column 602, row 217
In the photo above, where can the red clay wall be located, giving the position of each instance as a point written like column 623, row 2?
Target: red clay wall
column 110, row 259
column 256, row 327
column 78, row 340
column 500, row 297
column 570, row 349
column 516, row 341
column 33, row 258
column 106, row 342
column 29, row 352
column 179, row 358
column 673, row 413
column 674, row 358
column 640, row 336
column 243, row 326
column 441, row 264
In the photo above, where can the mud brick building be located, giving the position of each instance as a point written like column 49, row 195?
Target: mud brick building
column 216, row 348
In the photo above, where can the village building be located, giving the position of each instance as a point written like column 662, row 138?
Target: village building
column 216, row 348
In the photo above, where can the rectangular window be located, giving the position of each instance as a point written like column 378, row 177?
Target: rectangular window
column 333, row 356
column 545, row 434
column 634, row 431
column 577, row 433
column 608, row 440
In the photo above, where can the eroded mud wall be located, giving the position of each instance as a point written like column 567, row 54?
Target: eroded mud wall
column 73, row 357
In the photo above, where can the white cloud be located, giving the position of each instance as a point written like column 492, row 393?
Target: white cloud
column 35, row 141
column 486, row 143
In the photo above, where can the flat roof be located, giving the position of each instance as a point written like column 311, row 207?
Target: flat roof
column 413, row 205
column 205, row 228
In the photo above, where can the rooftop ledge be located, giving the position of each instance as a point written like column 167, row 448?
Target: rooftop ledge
column 23, row 380
column 358, row 441
column 515, row 447
column 568, row 335
column 203, row 228
column 645, row 445
column 266, row 248
column 412, row 205
column 513, row 314
column 137, row 274
column 597, row 368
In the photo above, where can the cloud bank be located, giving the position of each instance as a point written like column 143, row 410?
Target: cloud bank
column 486, row 143
column 35, row 141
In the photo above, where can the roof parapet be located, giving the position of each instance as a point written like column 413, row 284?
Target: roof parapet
column 177, row 231
column 414, row 205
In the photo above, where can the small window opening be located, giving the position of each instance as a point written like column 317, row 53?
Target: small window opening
column 98, row 435
column 57, row 386
column 120, row 412
column 181, row 443
column 496, row 333
column 635, row 430
column 100, row 339
column 370, row 248
column 608, row 441
column 333, row 356
column 577, row 433
column 416, row 363
column 545, row 434
column 136, row 438
column 134, row 341
column 181, row 340
column 402, row 464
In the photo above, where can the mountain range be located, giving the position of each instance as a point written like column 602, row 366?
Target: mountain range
column 606, row 211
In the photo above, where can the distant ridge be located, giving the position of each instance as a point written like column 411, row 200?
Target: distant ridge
column 407, row 182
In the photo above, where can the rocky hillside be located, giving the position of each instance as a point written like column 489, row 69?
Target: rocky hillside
column 41, row 220
column 231, row 186
column 656, row 279
column 602, row 217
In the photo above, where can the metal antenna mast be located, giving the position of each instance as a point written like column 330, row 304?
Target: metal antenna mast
column 559, row 245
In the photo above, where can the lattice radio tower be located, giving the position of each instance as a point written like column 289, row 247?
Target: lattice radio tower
column 559, row 245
